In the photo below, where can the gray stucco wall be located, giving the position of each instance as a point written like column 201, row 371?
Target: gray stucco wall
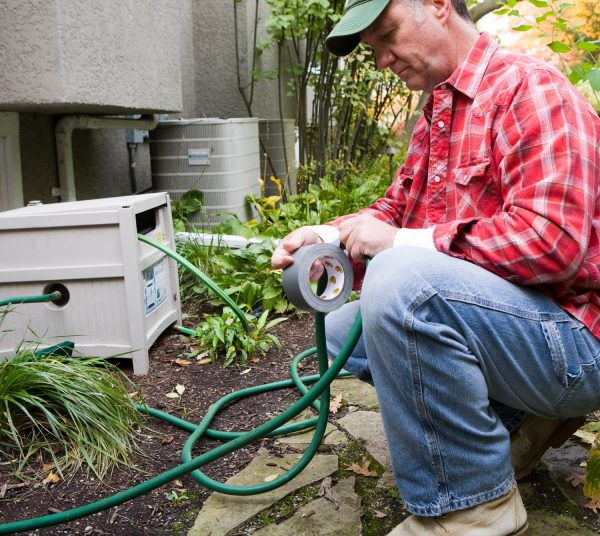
column 217, row 93
column 106, row 57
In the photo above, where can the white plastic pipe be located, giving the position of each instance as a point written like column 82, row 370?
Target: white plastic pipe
column 208, row 239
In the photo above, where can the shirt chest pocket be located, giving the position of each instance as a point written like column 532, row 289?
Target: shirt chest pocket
column 475, row 191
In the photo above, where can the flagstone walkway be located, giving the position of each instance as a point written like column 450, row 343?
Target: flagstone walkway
column 348, row 488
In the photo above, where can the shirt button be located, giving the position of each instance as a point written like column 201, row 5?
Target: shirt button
column 441, row 124
column 437, row 179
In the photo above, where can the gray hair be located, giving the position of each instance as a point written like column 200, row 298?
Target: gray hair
column 460, row 6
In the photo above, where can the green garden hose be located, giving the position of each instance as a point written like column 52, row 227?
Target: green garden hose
column 235, row 440
column 42, row 298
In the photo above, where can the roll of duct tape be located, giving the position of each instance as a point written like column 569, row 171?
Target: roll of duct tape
column 338, row 270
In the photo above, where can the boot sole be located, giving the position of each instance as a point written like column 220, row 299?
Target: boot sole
column 560, row 435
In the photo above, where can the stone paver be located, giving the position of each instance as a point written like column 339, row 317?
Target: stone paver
column 564, row 462
column 222, row 513
column 301, row 440
column 323, row 517
column 355, row 391
column 367, row 428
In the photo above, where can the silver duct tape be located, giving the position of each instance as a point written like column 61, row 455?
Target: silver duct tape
column 296, row 282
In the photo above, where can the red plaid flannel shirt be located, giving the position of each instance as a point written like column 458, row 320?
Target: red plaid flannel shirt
column 505, row 166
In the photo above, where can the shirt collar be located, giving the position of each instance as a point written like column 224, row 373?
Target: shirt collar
column 469, row 74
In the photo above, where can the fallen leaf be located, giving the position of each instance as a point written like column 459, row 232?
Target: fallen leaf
column 335, row 404
column 576, row 479
column 168, row 440
column 308, row 514
column 205, row 361
column 379, row 514
column 181, row 362
column 586, row 437
column 172, row 395
column 180, row 389
column 362, row 470
column 3, row 490
column 254, row 360
column 325, row 492
column 52, row 478
column 245, row 371
column 270, row 478
column 134, row 394
column 593, row 505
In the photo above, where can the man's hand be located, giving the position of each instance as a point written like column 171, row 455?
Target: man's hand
column 282, row 256
column 366, row 236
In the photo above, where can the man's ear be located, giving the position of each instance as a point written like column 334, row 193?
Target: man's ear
column 441, row 9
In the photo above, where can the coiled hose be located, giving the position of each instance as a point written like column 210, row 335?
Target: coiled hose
column 234, row 440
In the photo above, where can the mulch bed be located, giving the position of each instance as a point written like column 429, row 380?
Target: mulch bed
column 172, row 508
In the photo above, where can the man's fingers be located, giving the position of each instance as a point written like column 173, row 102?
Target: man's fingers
column 282, row 256
column 316, row 270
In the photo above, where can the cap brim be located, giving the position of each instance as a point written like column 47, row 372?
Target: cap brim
column 344, row 38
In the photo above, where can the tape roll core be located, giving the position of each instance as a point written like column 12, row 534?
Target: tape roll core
column 338, row 270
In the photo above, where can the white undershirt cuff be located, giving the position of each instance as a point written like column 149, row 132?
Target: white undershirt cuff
column 421, row 238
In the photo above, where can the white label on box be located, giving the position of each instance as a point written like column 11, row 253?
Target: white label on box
column 198, row 157
column 156, row 279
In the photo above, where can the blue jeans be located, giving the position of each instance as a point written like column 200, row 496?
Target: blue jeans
column 458, row 356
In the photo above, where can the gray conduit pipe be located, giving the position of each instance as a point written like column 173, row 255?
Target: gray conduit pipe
column 64, row 144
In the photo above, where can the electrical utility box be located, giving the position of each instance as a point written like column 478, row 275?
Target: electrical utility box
column 118, row 294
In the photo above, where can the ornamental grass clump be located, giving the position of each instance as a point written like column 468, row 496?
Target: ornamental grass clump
column 69, row 411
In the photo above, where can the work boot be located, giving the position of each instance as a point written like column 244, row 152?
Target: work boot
column 500, row 517
column 529, row 442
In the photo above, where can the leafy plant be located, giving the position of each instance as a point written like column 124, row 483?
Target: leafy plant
column 183, row 209
column 72, row 410
column 319, row 204
column 225, row 336
column 201, row 256
column 564, row 36
column 245, row 274
column 177, row 497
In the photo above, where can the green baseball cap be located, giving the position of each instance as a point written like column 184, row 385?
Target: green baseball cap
column 358, row 15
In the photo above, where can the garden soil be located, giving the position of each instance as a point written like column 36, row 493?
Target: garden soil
column 172, row 508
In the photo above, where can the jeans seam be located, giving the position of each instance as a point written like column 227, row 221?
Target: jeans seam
column 504, row 308
column 413, row 357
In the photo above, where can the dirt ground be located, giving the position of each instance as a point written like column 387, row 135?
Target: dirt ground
column 170, row 509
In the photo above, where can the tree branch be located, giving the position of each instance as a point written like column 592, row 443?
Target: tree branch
column 483, row 8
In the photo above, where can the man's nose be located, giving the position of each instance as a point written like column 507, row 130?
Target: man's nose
column 384, row 59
